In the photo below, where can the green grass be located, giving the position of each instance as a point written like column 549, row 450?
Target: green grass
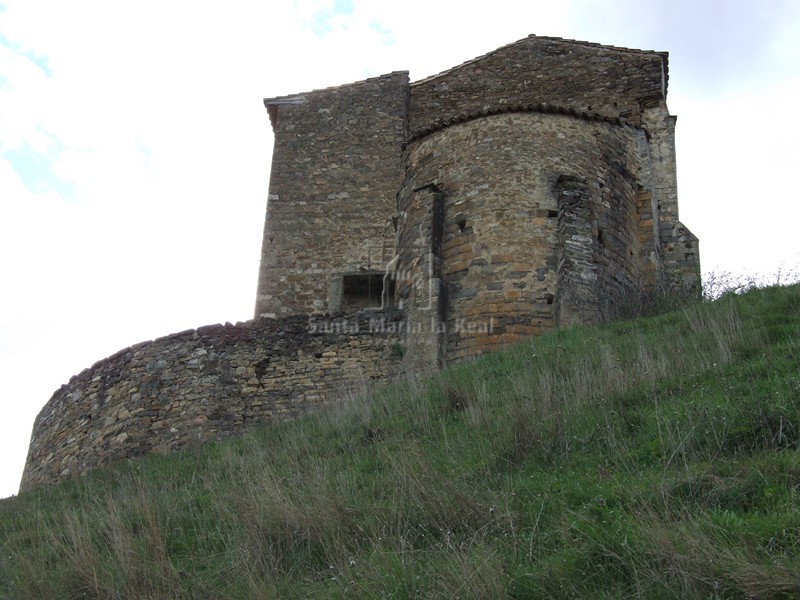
column 654, row 458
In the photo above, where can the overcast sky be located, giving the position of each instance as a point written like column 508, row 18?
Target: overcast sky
column 135, row 148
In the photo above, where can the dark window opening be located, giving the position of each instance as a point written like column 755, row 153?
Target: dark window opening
column 600, row 236
column 549, row 298
column 364, row 291
column 389, row 292
column 462, row 223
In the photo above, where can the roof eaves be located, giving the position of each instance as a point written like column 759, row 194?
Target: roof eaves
column 542, row 108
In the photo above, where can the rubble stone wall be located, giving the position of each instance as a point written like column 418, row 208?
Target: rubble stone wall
column 336, row 167
column 207, row 384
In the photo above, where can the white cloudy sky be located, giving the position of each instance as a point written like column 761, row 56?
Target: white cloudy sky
column 135, row 149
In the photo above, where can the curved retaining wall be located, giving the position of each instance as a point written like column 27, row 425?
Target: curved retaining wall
column 206, row 384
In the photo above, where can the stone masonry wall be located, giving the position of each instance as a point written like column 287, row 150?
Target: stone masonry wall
column 530, row 188
column 679, row 251
column 336, row 168
column 506, row 230
column 207, row 384
column 419, row 286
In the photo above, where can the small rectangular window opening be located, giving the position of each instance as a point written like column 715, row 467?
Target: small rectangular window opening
column 364, row 291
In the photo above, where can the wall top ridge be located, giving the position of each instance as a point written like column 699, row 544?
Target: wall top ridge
column 287, row 99
column 225, row 333
column 663, row 53
column 177, row 336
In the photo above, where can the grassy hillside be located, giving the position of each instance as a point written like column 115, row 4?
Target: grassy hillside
column 655, row 458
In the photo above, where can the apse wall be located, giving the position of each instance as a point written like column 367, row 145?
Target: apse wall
column 515, row 251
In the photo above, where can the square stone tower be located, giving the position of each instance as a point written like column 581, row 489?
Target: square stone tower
column 336, row 168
